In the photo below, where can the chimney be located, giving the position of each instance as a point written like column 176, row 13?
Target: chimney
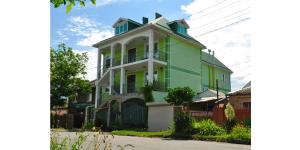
column 145, row 20
column 209, row 51
column 213, row 53
column 157, row 15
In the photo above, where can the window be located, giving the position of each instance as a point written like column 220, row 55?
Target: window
column 155, row 55
column 155, row 76
column 117, row 30
column 181, row 29
column 247, row 105
column 121, row 28
column 223, row 77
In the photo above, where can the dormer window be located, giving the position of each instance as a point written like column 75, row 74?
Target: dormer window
column 181, row 29
column 121, row 28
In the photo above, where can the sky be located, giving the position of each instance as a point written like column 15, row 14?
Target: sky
column 221, row 25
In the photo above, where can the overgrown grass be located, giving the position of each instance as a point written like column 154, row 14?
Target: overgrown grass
column 165, row 133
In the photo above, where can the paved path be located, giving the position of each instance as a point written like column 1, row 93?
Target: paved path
column 141, row 143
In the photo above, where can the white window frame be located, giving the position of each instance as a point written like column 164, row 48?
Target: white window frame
column 146, row 55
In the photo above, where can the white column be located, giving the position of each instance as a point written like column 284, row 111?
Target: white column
column 122, row 73
column 122, row 80
column 112, row 55
column 150, row 62
column 111, row 81
column 97, row 93
column 99, row 62
column 111, row 73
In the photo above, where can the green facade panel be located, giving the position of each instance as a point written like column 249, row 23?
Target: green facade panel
column 184, row 65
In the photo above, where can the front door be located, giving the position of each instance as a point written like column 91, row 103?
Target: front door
column 131, row 55
column 130, row 83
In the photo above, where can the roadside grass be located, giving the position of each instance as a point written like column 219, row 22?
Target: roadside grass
column 165, row 133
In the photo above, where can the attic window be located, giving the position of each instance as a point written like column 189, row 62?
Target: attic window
column 121, row 28
column 181, row 29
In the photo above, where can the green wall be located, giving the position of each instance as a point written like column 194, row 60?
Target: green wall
column 209, row 76
column 184, row 65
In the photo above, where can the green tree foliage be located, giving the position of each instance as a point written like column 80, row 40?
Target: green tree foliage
column 70, row 3
column 229, row 112
column 67, row 76
column 147, row 91
column 180, row 96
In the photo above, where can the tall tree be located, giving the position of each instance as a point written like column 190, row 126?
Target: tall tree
column 70, row 3
column 68, row 72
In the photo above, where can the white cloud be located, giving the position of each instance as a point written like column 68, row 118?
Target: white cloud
column 92, row 38
column 232, row 45
column 107, row 2
column 89, row 31
column 91, row 64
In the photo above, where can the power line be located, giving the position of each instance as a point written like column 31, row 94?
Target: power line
column 214, row 5
column 225, row 21
column 213, row 12
column 216, row 20
column 242, row 20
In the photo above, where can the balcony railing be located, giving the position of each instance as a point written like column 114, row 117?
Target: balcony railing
column 141, row 56
column 159, row 86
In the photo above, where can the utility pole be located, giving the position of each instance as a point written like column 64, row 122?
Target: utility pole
column 217, row 83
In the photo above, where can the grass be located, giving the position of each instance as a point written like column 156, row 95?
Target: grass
column 165, row 133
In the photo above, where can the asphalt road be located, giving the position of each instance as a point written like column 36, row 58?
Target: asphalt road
column 141, row 143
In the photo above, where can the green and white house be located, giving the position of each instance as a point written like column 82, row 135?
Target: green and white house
column 159, row 52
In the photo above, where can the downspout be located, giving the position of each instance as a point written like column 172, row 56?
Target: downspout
column 86, row 114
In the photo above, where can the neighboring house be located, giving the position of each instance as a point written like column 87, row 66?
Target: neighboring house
column 159, row 52
column 82, row 107
column 241, row 102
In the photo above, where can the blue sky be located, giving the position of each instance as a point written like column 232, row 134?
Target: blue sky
column 107, row 14
column 84, row 26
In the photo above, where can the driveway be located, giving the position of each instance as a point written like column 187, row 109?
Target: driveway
column 141, row 143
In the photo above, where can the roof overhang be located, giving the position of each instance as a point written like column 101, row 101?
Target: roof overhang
column 144, row 28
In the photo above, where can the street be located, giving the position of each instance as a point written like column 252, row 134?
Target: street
column 141, row 143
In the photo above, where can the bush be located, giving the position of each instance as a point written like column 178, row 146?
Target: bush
column 247, row 122
column 208, row 127
column 88, row 126
column 240, row 132
column 229, row 124
column 183, row 123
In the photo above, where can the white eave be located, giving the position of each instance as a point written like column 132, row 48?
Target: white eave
column 143, row 28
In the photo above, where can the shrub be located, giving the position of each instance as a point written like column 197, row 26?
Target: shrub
column 229, row 124
column 229, row 112
column 180, row 96
column 240, row 132
column 208, row 127
column 183, row 123
column 88, row 126
column 247, row 122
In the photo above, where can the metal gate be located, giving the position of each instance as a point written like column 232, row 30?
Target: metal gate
column 134, row 113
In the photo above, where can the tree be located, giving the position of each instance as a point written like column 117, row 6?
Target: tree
column 180, row 96
column 70, row 3
column 67, row 77
column 147, row 91
column 229, row 112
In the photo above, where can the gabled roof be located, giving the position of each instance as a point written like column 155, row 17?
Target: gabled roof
column 212, row 60
column 247, row 85
column 125, row 19
column 246, row 90
column 181, row 21
column 159, row 23
column 208, row 95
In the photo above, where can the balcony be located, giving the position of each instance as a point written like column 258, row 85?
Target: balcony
column 137, row 87
column 142, row 56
